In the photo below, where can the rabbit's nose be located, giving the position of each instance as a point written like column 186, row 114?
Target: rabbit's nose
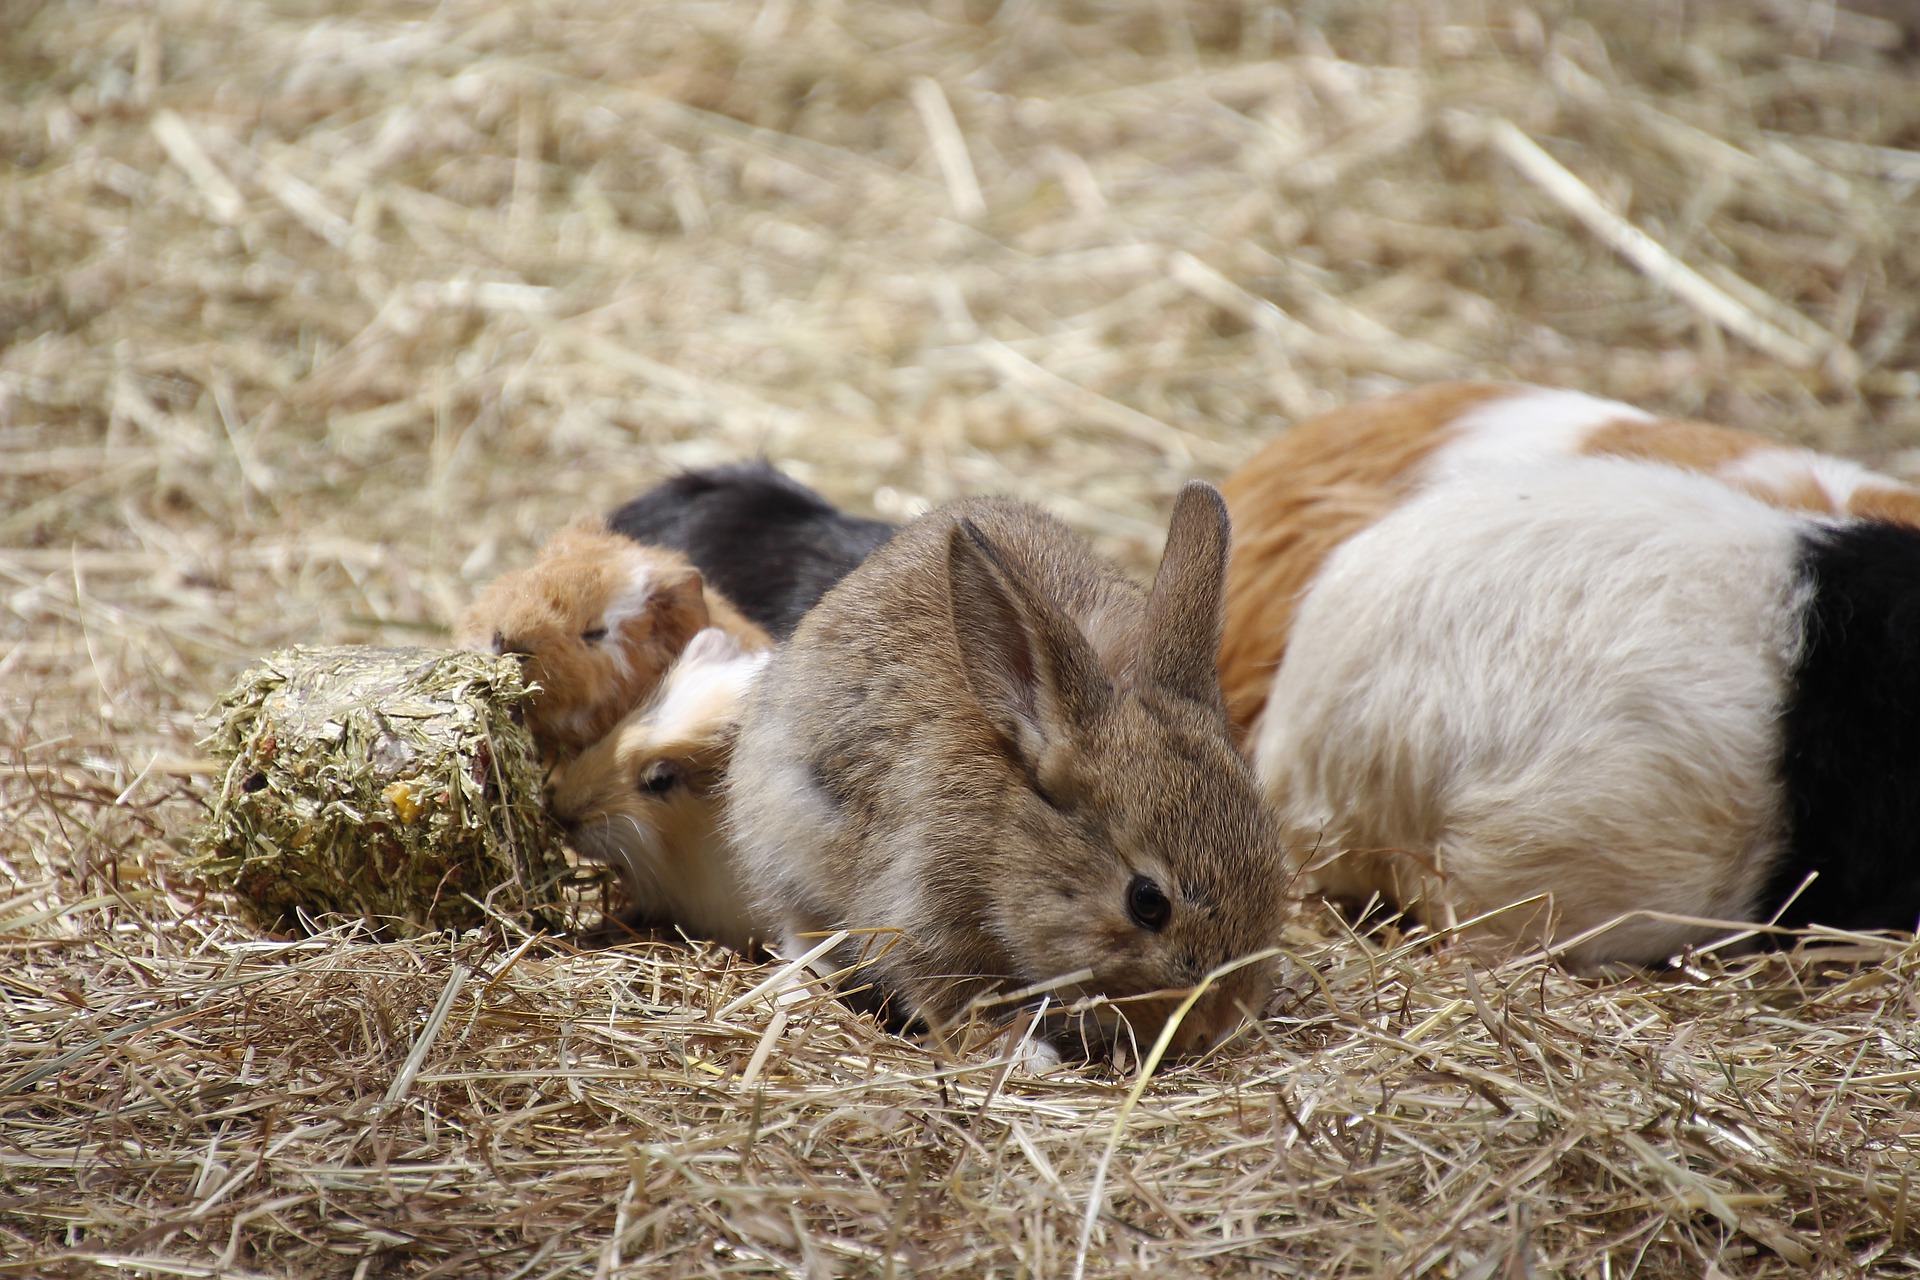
column 1206, row 1027
column 504, row 646
column 1194, row 1040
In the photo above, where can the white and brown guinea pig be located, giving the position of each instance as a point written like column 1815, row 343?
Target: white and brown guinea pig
column 596, row 620
column 646, row 798
column 1487, row 643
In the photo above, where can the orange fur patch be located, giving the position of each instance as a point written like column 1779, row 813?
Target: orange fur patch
column 604, row 780
column 1690, row 445
column 1798, row 493
column 722, row 613
column 1896, row 504
column 1707, row 449
column 1703, row 447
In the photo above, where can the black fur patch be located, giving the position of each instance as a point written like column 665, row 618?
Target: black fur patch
column 764, row 540
column 1852, row 764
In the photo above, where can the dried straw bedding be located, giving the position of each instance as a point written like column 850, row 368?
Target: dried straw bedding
column 311, row 320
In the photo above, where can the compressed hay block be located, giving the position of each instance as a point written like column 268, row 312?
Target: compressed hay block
column 389, row 784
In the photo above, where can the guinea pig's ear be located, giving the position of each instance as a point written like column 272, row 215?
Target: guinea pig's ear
column 1184, row 611
column 1028, row 664
column 679, row 608
column 671, row 600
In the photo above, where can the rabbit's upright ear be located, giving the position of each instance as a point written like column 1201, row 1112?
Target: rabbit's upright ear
column 1034, row 673
column 1184, row 611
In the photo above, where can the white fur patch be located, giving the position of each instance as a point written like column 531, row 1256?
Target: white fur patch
column 634, row 597
column 1561, row 677
column 1531, row 423
column 705, row 687
column 632, row 600
column 1781, row 470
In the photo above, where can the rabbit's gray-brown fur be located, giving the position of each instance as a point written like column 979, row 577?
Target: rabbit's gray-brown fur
column 988, row 739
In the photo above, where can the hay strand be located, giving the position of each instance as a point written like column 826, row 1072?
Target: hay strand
column 949, row 148
column 1644, row 251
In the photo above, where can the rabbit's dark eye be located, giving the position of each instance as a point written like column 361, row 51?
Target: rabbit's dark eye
column 660, row 778
column 1148, row 905
column 595, row 636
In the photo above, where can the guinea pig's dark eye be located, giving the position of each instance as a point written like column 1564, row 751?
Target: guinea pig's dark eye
column 1148, row 905
column 660, row 778
column 594, row 636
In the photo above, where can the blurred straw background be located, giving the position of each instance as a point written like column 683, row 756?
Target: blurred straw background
column 313, row 317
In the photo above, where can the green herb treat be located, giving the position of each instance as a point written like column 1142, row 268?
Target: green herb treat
column 390, row 784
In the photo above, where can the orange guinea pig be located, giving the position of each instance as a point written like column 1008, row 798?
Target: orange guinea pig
column 1324, row 480
column 596, row 620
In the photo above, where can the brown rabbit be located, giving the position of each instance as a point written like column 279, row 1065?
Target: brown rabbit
column 990, row 740
column 646, row 798
column 596, row 619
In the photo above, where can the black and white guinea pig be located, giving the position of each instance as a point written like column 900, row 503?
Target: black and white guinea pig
column 769, row 543
column 1494, row 645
